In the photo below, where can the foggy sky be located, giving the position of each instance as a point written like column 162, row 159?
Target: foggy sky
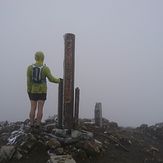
column 118, row 55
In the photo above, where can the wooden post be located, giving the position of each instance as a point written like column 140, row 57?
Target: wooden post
column 60, row 104
column 69, row 65
column 77, row 96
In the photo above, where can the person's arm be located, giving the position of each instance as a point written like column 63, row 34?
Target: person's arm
column 50, row 77
column 29, row 79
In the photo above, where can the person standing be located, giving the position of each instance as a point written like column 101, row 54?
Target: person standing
column 37, row 87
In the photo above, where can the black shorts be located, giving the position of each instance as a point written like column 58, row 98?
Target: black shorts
column 37, row 96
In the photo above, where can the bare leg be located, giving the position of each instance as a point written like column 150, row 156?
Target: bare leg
column 32, row 112
column 40, row 111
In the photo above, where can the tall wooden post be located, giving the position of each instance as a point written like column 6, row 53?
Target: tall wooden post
column 77, row 96
column 69, row 65
column 60, row 104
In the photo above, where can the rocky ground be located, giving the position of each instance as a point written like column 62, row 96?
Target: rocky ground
column 85, row 144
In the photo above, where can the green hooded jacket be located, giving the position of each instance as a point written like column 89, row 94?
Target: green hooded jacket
column 39, row 87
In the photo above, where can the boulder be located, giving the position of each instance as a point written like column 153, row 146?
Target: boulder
column 53, row 143
column 16, row 137
column 61, row 132
column 49, row 127
column 6, row 153
column 76, row 134
column 92, row 148
column 29, row 142
column 61, row 159
column 17, row 155
column 59, row 151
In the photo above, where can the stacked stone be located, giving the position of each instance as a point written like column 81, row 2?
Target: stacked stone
column 98, row 114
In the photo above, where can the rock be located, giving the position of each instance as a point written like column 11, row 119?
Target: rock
column 86, row 135
column 16, row 136
column 6, row 153
column 59, row 151
column 98, row 142
column 154, row 149
column 61, row 159
column 113, row 125
column 68, row 140
column 85, row 143
column 17, row 155
column 80, row 154
column 147, row 160
column 125, row 140
column 52, row 119
column 90, row 147
column 76, row 134
column 4, row 137
column 4, row 124
column 159, row 125
column 53, row 143
column 49, row 127
column 143, row 126
column 61, row 132
column 26, row 122
column 28, row 143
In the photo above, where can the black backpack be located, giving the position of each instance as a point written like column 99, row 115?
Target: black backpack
column 37, row 73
